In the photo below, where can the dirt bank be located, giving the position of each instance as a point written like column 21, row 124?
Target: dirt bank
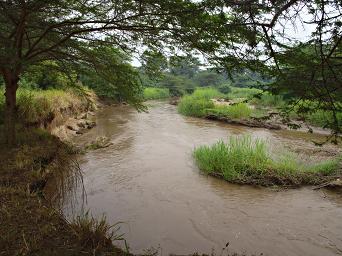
column 30, row 225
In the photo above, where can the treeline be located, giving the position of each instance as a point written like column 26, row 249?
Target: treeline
column 182, row 74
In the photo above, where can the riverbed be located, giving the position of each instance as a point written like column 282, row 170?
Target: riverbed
column 148, row 180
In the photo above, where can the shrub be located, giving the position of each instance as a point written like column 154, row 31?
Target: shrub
column 153, row 93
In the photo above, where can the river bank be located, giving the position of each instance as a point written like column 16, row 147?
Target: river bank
column 30, row 223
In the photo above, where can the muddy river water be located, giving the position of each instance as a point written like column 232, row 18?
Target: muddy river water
column 148, row 180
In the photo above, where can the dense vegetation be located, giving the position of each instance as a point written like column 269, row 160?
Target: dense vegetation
column 244, row 160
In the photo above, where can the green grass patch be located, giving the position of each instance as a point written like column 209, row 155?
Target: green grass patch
column 244, row 160
column 207, row 93
column 197, row 103
column 236, row 111
column 192, row 106
column 153, row 93
column 245, row 93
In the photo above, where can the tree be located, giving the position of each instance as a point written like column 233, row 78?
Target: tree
column 261, row 36
column 187, row 65
column 209, row 78
column 154, row 64
column 177, row 85
column 113, row 77
column 32, row 31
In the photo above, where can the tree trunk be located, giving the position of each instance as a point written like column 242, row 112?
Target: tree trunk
column 11, row 82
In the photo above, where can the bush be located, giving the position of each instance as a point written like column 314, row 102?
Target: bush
column 152, row 93
column 244, row 160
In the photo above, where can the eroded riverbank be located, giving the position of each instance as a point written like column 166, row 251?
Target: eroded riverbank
column 148, row 180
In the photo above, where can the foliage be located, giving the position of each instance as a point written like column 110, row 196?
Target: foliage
column 208, row 78
column 314, row 113
column 113, row 76
column 244, row 160
column 153, row 93
column 186, row 66
column 46, row 75
column 153, row 64
column 177, row 85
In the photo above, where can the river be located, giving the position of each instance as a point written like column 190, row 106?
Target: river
column 148, row 180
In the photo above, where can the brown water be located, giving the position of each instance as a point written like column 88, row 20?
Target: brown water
column 148, row 180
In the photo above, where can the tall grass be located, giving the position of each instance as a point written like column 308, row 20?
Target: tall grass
column 237, row 92
column 207, row 93
column 269, row 100
column 37, row 106
column 96, row 234
column 197, row 103
column 192, row 106
column 244, row 160
column 236, row 111
column 152, row 93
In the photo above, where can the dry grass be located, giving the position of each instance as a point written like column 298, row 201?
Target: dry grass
column 33, row 226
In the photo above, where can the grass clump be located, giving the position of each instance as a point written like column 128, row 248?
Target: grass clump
column 245, row 93
column 192, row 106
column 207, row 93
column 236, row 111
column 96, row 234
column 153, row 93
column 198, row 103
column 243, row 160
